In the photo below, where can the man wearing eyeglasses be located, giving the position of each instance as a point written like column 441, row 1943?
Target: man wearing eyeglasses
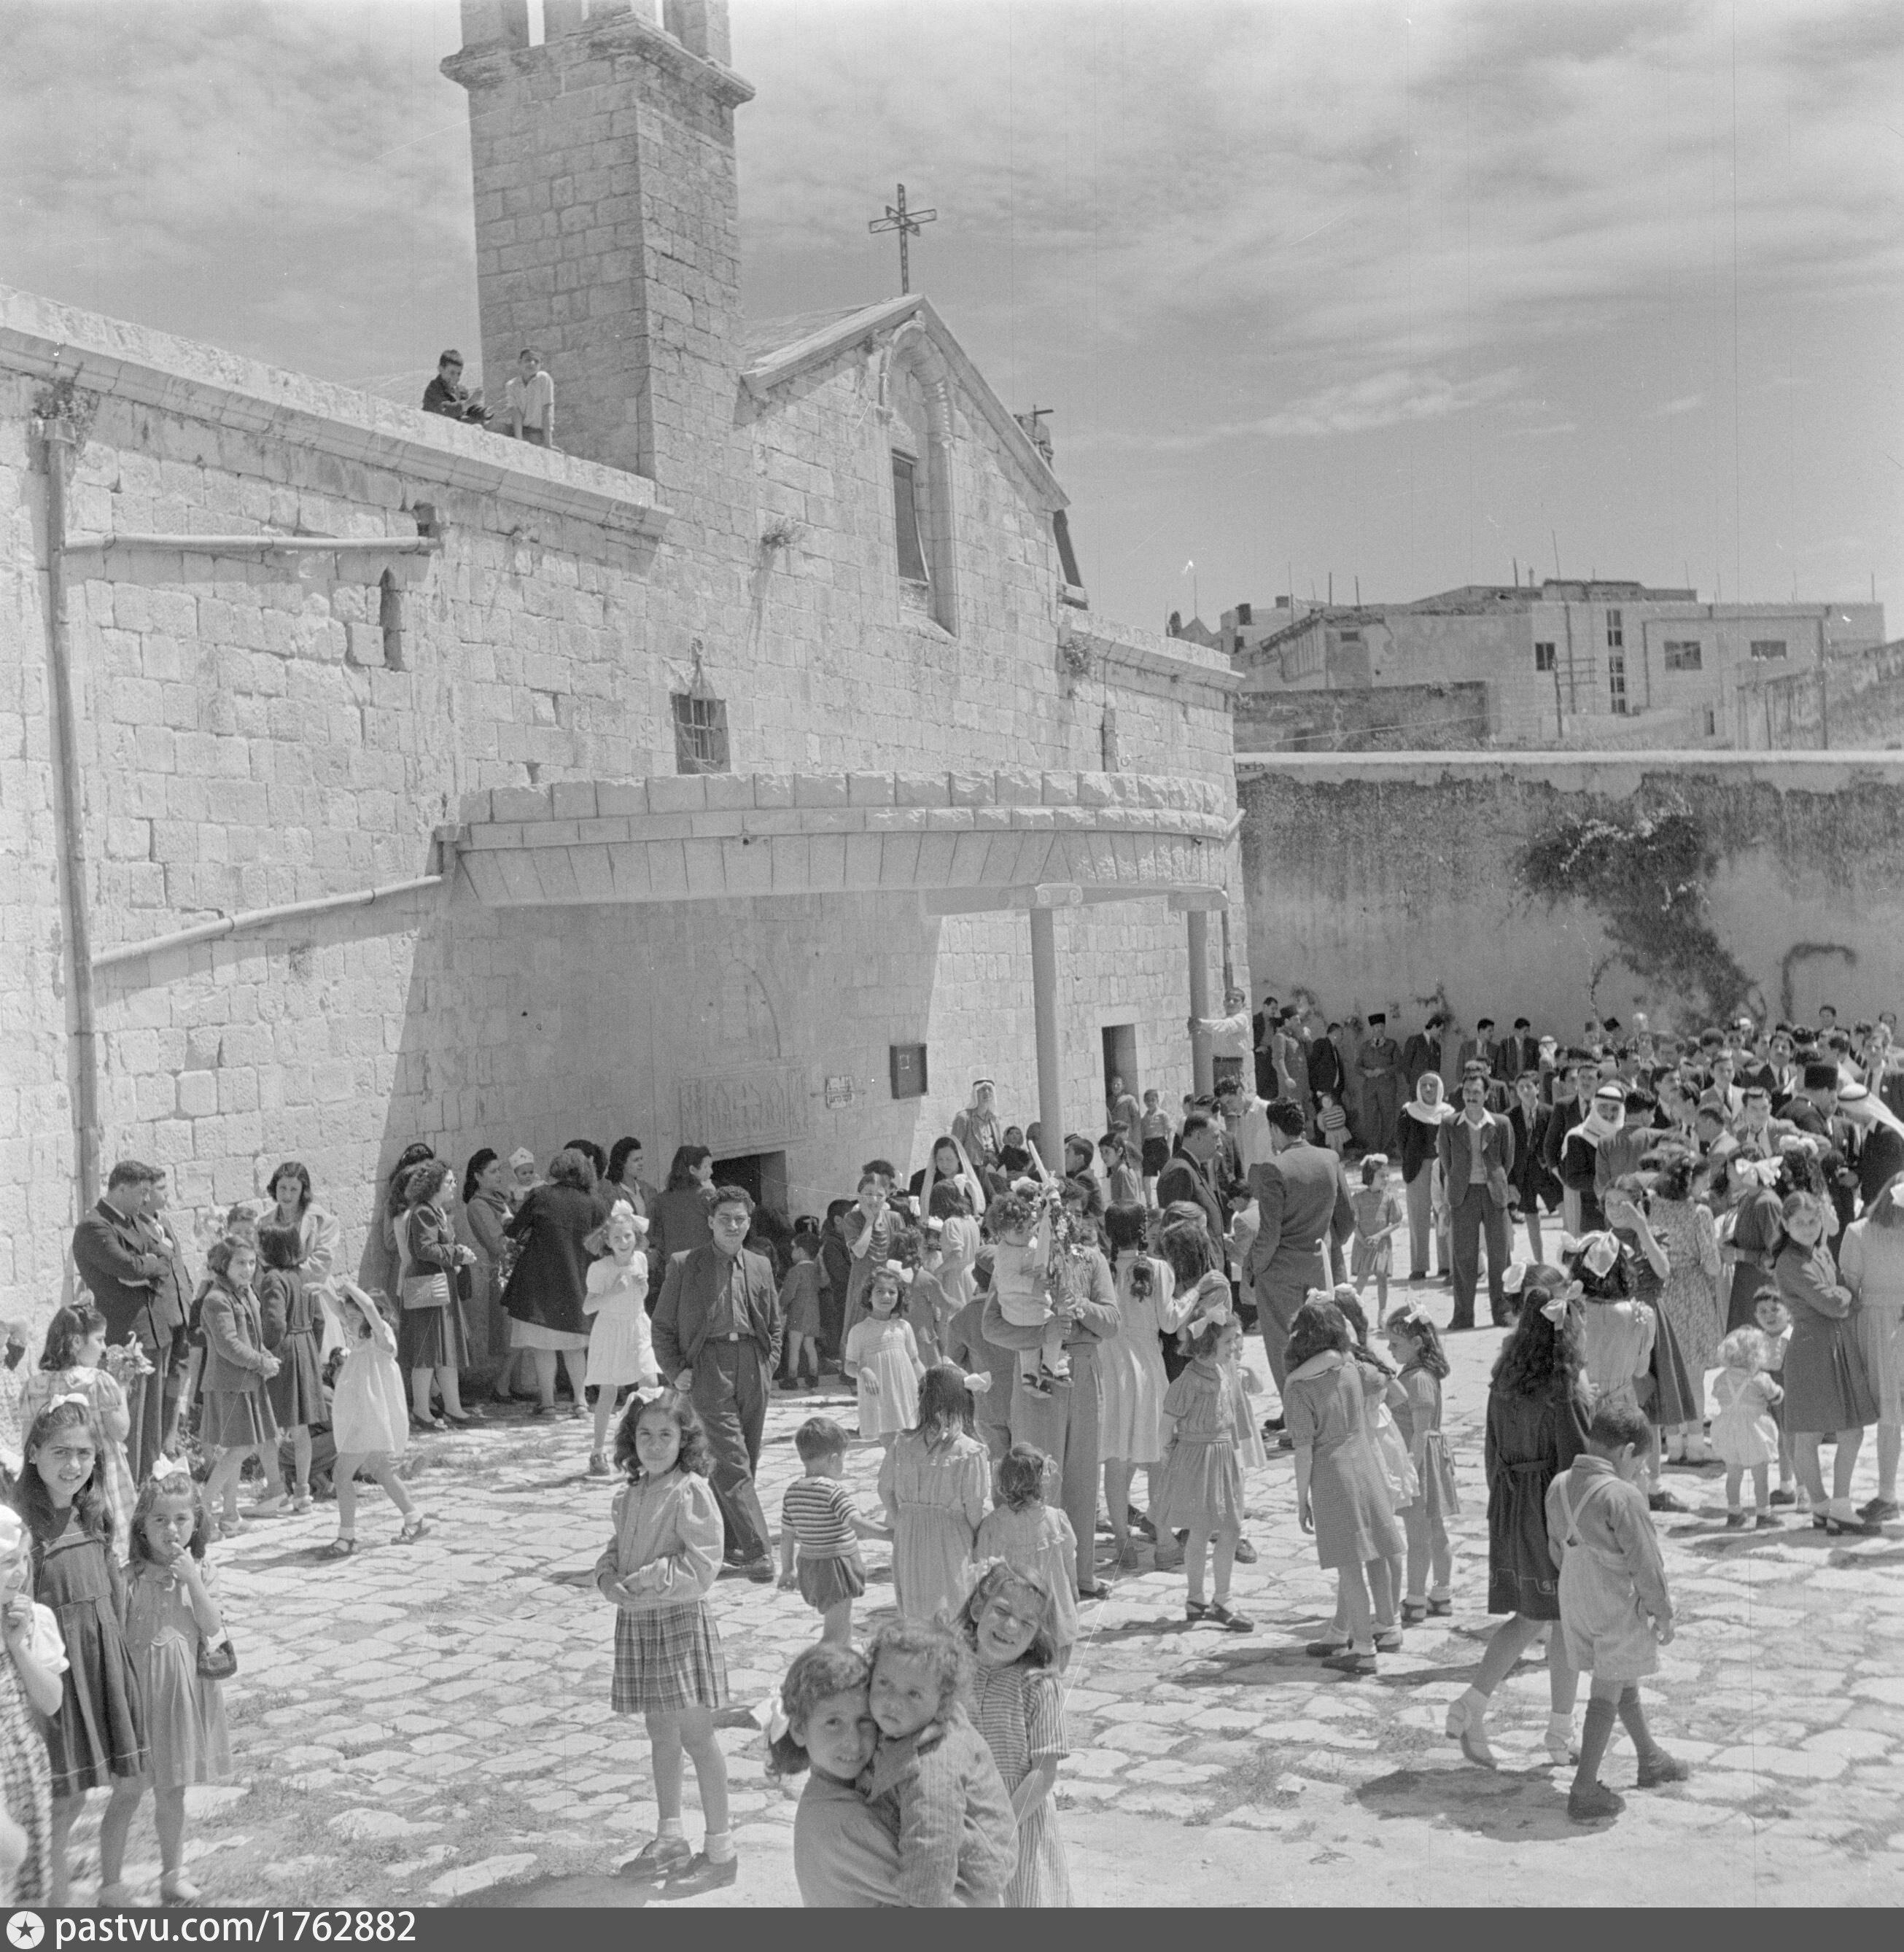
column 717, row 1331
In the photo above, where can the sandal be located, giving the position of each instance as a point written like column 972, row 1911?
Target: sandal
column 427, row 1424
column 1349, row 1662
column 1439, row 1610
column 1195, row 1609
column 414, row 1528
column 340, row 1548
column 1469, row 1729
column 231, row 1527
column 299, row 1505
column 1220, row 1616
column 1414, row 1612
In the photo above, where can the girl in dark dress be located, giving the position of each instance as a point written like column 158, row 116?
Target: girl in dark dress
column 288, row 1310
column 97, row 1740
column 1536, row 1426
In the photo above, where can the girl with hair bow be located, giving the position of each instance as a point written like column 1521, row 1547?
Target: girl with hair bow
column 882, row 1357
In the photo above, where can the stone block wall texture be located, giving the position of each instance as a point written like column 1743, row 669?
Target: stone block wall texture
column 36, row 1146
column 1862, row 709
column 1391, row 884
column 250, row 735
column 1393, row 718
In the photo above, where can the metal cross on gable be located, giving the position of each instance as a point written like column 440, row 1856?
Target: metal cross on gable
column 906, row 223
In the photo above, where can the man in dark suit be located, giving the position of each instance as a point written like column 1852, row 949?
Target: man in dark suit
column 717, row 1330
column 1476, row 1153
column 1531, row 1181
column 1189, row 1176
column 129, row 1267
column 1518, row 1053
column 172, row 1293
column 1326, row 1072
column 1302, row 1204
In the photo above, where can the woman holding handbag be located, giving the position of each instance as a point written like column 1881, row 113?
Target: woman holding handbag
column 433, row 1342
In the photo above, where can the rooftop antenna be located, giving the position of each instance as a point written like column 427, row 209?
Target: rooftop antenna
column 906, row 223
column 1555, row 534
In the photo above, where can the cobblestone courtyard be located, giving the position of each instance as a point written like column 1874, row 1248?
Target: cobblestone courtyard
column 428, row 1724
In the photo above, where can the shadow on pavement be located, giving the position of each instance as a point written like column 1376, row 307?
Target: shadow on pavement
column 1508, row 1806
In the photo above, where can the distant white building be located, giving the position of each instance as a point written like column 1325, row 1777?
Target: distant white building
column 1590, row 663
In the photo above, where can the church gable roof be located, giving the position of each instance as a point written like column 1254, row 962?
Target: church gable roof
column 779, row 349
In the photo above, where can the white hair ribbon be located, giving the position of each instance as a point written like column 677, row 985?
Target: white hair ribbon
column 771, row 1715
column 1555, row 1309
column 1599, row 1252
column 165, row 1468
column 59, row 1403
column 1514, row 1278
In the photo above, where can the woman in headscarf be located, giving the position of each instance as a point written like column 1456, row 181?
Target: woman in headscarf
column 1599, row 1151
column 978, row 1131
column 1422, row 1118
column 949, row 1164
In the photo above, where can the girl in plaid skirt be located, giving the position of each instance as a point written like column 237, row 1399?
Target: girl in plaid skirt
column 658, row 1570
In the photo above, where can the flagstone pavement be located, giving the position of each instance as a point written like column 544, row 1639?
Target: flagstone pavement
column 427, row 1724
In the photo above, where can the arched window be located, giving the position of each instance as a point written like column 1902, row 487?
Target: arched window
column 919, row 433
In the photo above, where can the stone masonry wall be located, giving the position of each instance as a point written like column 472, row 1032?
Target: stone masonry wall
column 249, row 739
column 1391, row 883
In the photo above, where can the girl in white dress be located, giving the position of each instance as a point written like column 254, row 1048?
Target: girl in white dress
column 882, row 1354
column 1131, row 1378
column 1743, row 1433
column 369, row 1419
column 621, row 1346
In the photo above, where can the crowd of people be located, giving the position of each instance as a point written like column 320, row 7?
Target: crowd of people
column 1715, row 1270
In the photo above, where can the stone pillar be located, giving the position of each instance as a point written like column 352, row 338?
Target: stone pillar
column 496, row 24
column 1044, row 1020
column 701, row 26
column 1198, row 926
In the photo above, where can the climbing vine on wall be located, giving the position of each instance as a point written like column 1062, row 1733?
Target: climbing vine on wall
column 1645, row 873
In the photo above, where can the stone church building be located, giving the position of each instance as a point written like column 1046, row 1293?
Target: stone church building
column 751, row 773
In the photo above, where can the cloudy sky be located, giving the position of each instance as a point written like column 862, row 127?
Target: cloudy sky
column 1315, row 288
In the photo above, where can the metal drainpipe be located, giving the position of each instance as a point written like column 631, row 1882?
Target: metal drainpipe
column 57, row 433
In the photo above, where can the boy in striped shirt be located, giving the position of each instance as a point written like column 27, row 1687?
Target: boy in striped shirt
column 818, row 1516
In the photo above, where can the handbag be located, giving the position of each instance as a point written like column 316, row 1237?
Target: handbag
column 217, row 1659
column 420, row 1290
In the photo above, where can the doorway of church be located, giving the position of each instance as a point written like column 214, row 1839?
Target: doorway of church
column 764, row 1174
column 1120, row 1063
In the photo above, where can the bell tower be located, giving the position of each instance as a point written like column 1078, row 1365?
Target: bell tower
column 606, row 228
